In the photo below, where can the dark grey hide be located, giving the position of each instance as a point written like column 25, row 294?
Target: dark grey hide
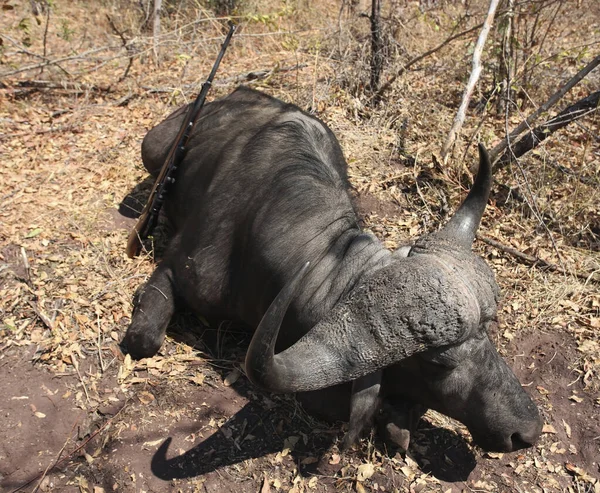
column 265, row 233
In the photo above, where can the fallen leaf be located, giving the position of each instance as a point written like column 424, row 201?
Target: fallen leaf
column 335, row 459
column 548, row 428
column 266, row 486
column 153, row 443
column 232, row 377
column 38, row 414
column 33, row 233
column 145, row 397
column 365, row 471
column 198, row 379
column 567, row 428
column 576, row 398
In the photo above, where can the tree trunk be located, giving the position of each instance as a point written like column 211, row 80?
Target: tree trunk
column 156, row 29
column 376, row 45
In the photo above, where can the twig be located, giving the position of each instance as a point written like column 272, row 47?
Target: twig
column 76, row 365
column 41, row 315
column 50, row 465
column 67, row 85
column 531, row 202
column 524, row 125
column 48, row 9
column 128, row 47
column 77, row 449
column 534, row 261
column 475, row 72
column 58, row 60
column 418, row 58
column 99, row 342
column 60, row 128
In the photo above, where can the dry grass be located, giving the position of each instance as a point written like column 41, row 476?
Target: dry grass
column 71, row 154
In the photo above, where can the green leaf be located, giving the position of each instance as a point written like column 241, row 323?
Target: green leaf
column 33, row 233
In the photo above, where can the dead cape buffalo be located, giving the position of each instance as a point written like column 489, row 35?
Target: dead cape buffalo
column 265, row 233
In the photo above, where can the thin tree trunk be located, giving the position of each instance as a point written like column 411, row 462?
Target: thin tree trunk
column 535, row 137
column 156, row 28
column 505, row 58
column 475, row 72
column 376, row 45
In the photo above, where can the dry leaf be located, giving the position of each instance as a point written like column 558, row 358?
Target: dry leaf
column 198, row 379
column 290, row 442
column 548, row 428
column 232, row 377
column 153, row 443
column 576, row 398
column 145, row 397
column 266, row 486
column 38, row 414
column 365, row 471
column 567, row 428
column 335, row 459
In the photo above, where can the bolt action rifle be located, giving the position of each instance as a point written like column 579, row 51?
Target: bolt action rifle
column 149, row 217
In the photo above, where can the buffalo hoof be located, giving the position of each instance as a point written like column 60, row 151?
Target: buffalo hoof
column 397, row 423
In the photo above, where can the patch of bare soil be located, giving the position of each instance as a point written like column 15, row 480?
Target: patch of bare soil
column 39, row 418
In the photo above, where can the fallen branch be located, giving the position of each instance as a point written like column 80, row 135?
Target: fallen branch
column 66, row 85
column 475, row 72
column 535, row 261
column 535, row 137
column 524, row 125
column 56, row 61
column 254, row 75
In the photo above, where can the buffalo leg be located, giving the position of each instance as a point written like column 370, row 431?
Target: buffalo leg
column 398, row 421
column 154, row 305
column 363, row 406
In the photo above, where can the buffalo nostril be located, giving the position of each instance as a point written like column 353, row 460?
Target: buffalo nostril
column 519, row 441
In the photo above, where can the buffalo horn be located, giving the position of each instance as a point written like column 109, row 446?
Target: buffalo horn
column 464, row 223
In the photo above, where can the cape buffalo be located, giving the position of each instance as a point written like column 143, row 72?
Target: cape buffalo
column 265, row 233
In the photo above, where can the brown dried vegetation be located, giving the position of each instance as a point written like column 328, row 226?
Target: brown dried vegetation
column 79, row 87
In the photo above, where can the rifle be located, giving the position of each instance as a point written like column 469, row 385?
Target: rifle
column 149, row 217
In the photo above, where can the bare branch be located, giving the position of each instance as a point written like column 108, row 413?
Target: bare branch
column 535, row 261
column 475, row 72
column 418, row 58
column 524, row 125
column 532, row 139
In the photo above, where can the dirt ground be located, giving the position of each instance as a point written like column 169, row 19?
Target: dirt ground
column 77, row 416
